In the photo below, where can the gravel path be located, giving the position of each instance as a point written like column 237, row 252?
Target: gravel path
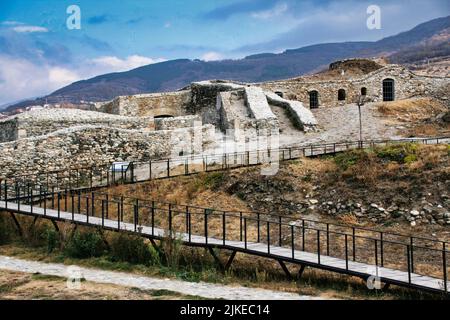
column 206, row 290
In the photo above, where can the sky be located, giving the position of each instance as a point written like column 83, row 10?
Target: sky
column 39, row 53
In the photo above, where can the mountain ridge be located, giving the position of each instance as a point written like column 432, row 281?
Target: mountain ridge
column 175, row 74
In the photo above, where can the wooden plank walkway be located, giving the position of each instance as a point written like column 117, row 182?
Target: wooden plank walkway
column 321, row 261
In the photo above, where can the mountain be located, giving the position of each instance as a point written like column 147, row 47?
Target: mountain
column 429, row 38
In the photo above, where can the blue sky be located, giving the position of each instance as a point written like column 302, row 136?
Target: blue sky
column 39, row 54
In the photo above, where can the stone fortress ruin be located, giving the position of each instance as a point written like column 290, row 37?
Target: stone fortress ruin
column 195, row 119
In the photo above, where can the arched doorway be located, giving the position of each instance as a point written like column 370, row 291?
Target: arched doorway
column 364, row 91
column 341, row 95
column 388, row 90
column 313, row 99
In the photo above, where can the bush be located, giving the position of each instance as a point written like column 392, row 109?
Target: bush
column 400, row 153
column 214, row 180
column 132, row 249
column 85, row 245
column 52, row 239
column 347, row 159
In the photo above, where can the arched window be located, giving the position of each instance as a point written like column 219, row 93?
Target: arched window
column 163, row 116
column 279, row 93
column 388, row 90
column 341, row 95
column 313, row 99
column 364, row 91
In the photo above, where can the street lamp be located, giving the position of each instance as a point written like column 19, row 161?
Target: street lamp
column 360, row 102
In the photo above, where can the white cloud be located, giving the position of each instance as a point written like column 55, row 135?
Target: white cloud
column 276, row 11
column 114, row 64
column 60, row 77
column 212, row 56
column 21, row 78
column 11, row 23
column 26, row 29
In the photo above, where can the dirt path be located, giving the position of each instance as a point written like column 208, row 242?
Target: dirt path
column 201, row 289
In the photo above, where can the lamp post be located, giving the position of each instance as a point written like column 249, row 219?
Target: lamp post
column 360, row 102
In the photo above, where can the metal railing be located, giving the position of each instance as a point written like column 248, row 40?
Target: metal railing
column 411, row 254
column 139, row 171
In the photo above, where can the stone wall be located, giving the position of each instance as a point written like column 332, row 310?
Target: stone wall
column 41, row 122
column 407, row 85
column 301, row 117
column 87, row 146
column 177, row 122
column 9, row 129
column 149, row 105
column 204, row 98
column 245, row 113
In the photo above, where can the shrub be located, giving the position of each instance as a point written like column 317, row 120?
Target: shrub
column 52, row 239
column 347, row 159
column 398, row 152
column 214, row 180
column 85, row 245
column 132, row 249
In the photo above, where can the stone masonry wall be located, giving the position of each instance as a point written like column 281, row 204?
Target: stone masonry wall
column 177, row 122
column 407, row 85
column 149, row 105
column 9, row 129
column 87, row 146
column 41, row 122
column 204, row 98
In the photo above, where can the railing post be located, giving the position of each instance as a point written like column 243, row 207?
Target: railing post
column 409, row 263
column 257, row 224
column 318, row 246
column 223, row 227
column 346, row 252
column 103, row 213
column 206, row 226
column 187, row 219
column 411, row 242
column 135, row 214
column 381, row 249
column 190, row 227
column 376, row 255
column 444, row 265
column 170, row 220
column 328, row 239
column 87, row 209
column 354, row 243
column 268, row 237
column 245, row 233
column 168, row 168
column 118, row 215
column 240, row 226
column 292, row 241
column 153, row 218
column 303, row 235
column 59, row 205
column 279, row 231
column 93, row 204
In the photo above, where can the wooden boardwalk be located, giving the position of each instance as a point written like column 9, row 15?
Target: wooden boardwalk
column 320, row 261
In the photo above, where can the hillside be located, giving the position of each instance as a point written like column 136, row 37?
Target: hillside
column 431, row 37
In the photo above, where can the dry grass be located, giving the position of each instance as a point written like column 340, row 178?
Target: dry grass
column 411, row 110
